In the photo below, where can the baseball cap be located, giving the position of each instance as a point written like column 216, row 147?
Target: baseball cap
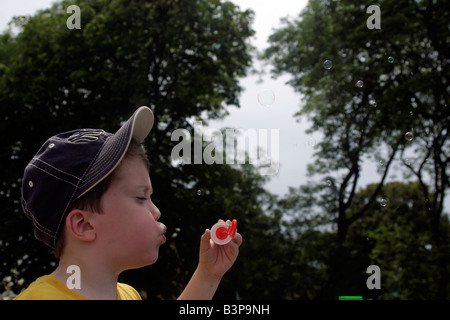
column 70, row 164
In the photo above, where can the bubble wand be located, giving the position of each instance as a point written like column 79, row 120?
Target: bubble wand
column 222, row 232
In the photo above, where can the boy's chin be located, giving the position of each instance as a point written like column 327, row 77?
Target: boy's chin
column 144, row 262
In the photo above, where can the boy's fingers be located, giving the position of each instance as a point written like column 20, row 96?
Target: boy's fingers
column 238, row 239
column 205, row 240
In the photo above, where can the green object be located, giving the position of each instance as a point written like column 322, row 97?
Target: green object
column 350, row 298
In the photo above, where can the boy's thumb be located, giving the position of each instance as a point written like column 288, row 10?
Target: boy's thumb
column 205, row 240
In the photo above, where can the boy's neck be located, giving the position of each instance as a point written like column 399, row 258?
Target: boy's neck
column 95, row 283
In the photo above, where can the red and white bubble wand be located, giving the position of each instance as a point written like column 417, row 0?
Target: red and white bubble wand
column 222, row 232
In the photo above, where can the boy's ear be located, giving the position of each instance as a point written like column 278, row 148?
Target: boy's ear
column 79, row 226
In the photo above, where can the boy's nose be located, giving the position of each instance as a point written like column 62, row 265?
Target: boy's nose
column 156, row 213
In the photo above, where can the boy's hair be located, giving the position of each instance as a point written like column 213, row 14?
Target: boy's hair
column 92, row 199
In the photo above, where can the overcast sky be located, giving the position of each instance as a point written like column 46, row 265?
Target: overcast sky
column 295, row 147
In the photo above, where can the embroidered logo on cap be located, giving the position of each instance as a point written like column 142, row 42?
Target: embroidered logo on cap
column 86, row 135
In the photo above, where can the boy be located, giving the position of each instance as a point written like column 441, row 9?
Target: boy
column 87, row 193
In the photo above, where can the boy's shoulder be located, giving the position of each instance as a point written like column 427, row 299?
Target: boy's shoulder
column 127, row 292
column 50, row 288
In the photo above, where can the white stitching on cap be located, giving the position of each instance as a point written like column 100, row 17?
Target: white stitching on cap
column 76, row 186
column 36, row 222
column 64, row 215
column 46, row 163
column 103, row 162
column 52, row 234
column 83, row 183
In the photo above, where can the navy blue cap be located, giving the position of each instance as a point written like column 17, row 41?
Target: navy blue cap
column 70, row 164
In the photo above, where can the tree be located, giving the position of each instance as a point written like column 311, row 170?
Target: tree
column 393, row 235
column 181, row 58
column 397, row 238
column 385, row 94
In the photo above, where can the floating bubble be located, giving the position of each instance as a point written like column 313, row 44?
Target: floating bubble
column 391, row 59
column 327, row 64
column 381, row 167
column 266, row 97
column 383, row 202
column 216, row 46
column 199, row 192
column 311, row 142
column 359, row 83
column 330, row 184
column 409, row 136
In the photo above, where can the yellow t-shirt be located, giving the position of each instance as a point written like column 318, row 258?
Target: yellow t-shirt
column 50, row 288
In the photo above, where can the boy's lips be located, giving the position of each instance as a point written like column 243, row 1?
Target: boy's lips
column 163, row 233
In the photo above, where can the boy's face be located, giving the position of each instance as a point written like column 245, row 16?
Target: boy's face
column 128, row 230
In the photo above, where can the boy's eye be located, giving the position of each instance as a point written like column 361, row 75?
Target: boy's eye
column 142, row 198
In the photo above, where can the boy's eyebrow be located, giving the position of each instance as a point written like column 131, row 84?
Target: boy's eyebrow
column 145, row 188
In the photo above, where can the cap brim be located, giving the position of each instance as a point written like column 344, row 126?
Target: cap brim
column 142, row 122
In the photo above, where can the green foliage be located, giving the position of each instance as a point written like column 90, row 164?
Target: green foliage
column 399, row 241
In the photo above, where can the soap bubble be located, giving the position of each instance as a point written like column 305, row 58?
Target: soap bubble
column 383, row 202
column 359, row 83
column 373, row 103
column 311, row 142
column 381, row 167
column 331, row 186
column 266, row 97
column 409, row 136
column 327, row 64
column 391, row 59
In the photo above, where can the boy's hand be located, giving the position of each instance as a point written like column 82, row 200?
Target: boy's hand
column 215, row 260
